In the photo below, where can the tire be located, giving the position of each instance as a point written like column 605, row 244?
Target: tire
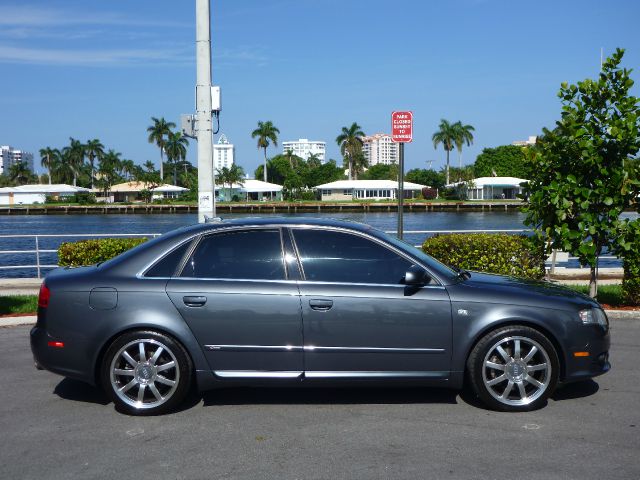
column 513, row 369
column 146, row 373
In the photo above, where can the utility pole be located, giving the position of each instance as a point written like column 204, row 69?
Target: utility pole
column 204, row 132
column 401, row 191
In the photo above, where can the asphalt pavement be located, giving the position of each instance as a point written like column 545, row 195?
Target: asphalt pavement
column 53, row 428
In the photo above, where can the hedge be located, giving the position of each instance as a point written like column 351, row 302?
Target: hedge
column 631, row 279
column 88, row 252
column 514, row 255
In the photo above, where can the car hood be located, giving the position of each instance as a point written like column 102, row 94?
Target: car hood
column 502, row 289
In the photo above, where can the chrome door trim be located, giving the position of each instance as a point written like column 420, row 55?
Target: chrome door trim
column 312, row 348
column 256, row 374
column 347, row 374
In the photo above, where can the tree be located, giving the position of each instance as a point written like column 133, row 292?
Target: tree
column 19, row 173
column 313, row 160
column 74, row 155
column 446, row 135
column 229, row 176
column 176, row 148
column 382, row 172
column 266, row 133
column 293, row 159
column 579, row 186
column 464, row 136
column 93, row 149
column 321, row 173
column 47, row 159
column 427, row 177
column 63, row 169
column 350, row 143
column 109, row 171
column 158, row 133
column 128, row 169
column 502, row 161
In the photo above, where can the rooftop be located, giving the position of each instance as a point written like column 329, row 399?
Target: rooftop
column 368, row 184
column 44, row 188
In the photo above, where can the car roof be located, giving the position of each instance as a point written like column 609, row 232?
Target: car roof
column 283, row 221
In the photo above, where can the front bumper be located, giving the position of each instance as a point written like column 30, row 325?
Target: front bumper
column 596, row 363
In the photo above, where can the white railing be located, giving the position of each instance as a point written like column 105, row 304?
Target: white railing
column 38, row 251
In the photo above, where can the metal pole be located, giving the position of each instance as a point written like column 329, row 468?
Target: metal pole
column 400, row 189
column 38, row 256
column 204, row 133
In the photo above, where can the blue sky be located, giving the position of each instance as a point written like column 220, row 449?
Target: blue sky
column 102, row 69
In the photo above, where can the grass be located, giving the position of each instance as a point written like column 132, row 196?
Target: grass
column 609, row 294
column 15, row 304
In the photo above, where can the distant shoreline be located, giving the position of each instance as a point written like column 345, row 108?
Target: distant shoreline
column 264, row 207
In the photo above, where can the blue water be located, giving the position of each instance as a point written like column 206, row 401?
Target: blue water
column 161, row 223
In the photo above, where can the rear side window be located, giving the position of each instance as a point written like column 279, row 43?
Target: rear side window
column 247, row 255
column 167, row 265
column 330, row 256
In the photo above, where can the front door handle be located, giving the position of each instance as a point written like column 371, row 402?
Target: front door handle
column 322, row 305
column 194, row 301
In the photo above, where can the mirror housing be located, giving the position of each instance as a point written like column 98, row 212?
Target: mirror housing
column 416, row 276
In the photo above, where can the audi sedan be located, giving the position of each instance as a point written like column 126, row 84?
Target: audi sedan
column 308, row 302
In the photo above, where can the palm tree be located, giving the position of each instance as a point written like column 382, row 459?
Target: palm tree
column 350, row 143
column 47, row 159
column 93, row 149
column 359, row 163
column 266, row 132
column 446, row 135
column 74, row 154
column 157, row 133
column 128, row 168
column 176, row 148
column 463, row 136
column 290, row 156
column 19, row 173
column 313, row 161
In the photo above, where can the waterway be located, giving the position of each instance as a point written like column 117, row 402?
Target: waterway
column 161, row 223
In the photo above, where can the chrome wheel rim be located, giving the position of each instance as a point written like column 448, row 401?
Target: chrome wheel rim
column 144, row 373
column 516, row 371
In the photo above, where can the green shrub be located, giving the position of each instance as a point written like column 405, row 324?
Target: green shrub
column 500, row 253
column 631, row 279
column 84, row 198
column 88, row 252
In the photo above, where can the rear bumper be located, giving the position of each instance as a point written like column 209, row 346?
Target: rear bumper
column 56, row 360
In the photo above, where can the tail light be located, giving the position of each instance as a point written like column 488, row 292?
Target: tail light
column 44, row 296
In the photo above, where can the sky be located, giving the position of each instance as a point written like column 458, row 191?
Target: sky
column 102, row 69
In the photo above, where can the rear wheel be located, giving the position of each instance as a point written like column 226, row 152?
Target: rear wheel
column 513, row 368
column 146, row 373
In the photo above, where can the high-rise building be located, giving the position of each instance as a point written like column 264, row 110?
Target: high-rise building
column 304, row 148
column 379, row 148
column 10, row 156
column 525, row 143
column 223, row 153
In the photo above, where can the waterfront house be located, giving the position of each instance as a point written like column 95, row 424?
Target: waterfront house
column 250, row 190
column 31, row 194
column 130, row 192
column 491, row 188
column 366, row 190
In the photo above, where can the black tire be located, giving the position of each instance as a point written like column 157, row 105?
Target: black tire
column 159, row 374
column 513, row 369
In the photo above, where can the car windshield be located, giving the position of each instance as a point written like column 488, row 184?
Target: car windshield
column 437, row 267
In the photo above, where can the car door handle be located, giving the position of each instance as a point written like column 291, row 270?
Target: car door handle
column 194, row 301
column 320, row 304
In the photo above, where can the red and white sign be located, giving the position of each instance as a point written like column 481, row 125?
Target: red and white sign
column 402, row 127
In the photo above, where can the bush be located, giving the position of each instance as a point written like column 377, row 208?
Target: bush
column 88, row 252
column 429, row 193
column 631, row 279
column 499, row 253
column 84, row 198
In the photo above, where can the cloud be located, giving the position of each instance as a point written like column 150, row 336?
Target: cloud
column 32, row 16
column 95, row 58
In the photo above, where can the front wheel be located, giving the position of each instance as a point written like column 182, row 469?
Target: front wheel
column 514, row 368
column 146, row 373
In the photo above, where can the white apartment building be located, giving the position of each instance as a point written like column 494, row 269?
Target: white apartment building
column 304, row 148
column 223, row 153
column 10, row 156
column 379, row 148
column 525, row 143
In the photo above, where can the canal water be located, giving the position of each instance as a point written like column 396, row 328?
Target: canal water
column 161, row 223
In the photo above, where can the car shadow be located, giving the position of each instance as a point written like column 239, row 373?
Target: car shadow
column 78, row 391
column 327, row 396
column 571, row 391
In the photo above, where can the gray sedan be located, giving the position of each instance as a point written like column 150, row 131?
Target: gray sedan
column 308, row 302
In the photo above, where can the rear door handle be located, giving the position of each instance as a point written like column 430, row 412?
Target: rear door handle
column 321, row 305
column 194, row 301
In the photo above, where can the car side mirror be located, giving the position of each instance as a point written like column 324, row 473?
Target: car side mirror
column 416, row 276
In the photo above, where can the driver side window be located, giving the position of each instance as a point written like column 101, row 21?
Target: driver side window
column 333, row 256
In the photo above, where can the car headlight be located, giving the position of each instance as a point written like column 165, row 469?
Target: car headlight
column 594, row 316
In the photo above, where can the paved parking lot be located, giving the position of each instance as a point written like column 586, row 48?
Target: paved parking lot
column 56, row 428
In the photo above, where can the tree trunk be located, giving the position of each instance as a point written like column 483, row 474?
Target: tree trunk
column 75, row 178
column 49, row 170
column 175, row 168
column 448, row 179
column 92, row 171
column 593, row 282
column 161, row 165
column 350, row 163
column 265, row 165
